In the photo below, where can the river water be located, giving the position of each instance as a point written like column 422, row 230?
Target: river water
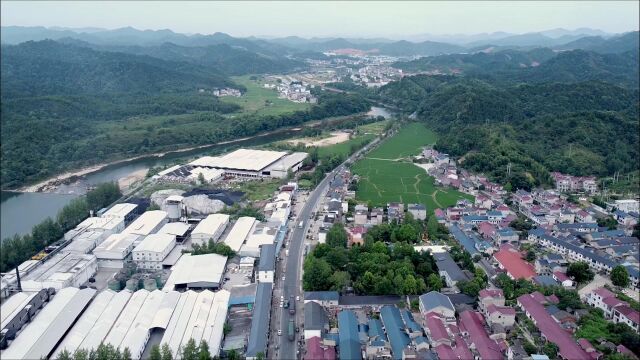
column 19, row 212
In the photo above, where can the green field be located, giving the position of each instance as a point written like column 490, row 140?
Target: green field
column 254, row 101
column 373, row 128
column 344, row 147
column 387, row 175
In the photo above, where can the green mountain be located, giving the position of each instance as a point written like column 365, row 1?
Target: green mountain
column 52, row 68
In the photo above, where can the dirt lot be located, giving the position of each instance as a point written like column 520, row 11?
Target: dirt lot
column 335, row 138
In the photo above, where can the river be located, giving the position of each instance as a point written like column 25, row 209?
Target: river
column 19, row 212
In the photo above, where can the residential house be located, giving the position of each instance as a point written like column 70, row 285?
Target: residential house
column 449, row 270
column 395, row 211
column 492, row 296
column 438, row 303
column 316, row 321
column 510, row 259
column 419, row 211
column 501, row 315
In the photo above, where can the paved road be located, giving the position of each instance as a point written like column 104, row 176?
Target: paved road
column 293, row 271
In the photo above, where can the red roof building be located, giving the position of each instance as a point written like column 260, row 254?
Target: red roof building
column 317, row 351
column 510, row 259
column 550, row 329
column 472, row 323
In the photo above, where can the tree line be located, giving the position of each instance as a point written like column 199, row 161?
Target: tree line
column 17, row 249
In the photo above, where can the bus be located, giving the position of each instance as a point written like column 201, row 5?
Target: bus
column 291, row 330
column 292, row 305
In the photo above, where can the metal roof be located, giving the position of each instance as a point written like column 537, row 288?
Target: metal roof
column 120, row 210
column 115, row 246
column 241, row 229
column 321, row 295
column 434, row 299
column 138, row 333
column 156, row 243
column 267, row 258
column 315, row 317
column 197, row 271
column 174, row 228
column 445, row 263
column 349, row 345
column 121, row 326
column 12, row 306
column 211, row 224
column 260, row 319
column 241, row 159
column 146, row 222
column 106, row 320
column 393, row 325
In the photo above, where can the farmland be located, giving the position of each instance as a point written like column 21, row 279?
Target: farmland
column 344, row 148
column 261, row 101
column 387, row 174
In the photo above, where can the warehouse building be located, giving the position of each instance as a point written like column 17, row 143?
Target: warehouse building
column 125, row 211
column 152, row 251
column 38, row 339
column 107, row 226
column 18, row 310
column 148, row 223
column 197, row 316
column 209, row 229
column 112, row 252
column 85, row 242
column 253, row 163
column 238, row 234
column 260, row 319
column 197, row 272
column 262, row 234
column 178, row 229
column 59, row 271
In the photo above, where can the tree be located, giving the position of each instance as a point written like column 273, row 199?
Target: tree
column 339, row 280
column 434, row 282
column 203, row 351
column 233, row 355
column 64, row 355
column 550, row 349
column 531, row 256
column 166, row 352
column 226, row 328
column 126, row 354
column 337, row 236
column 609, row 222
column 620, row 276
column 201, row 179
column 406, row 233
column 580, row 272
column 190, row 350
column 317, row 273
column 155, row 353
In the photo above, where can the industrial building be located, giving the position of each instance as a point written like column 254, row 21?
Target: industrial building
column 59, row 271
column 19, row 310
column 112, row 252
column 260, row 319
column 85, row 242
column 178, row 229
column 107, row 226
column 253, row 163
column 267, row 265
column 124, row 211
column 38, row 339
column 152, row 250
column 241, row 229
column 148, row 223
column 209, row 229
column 197, row 272
column 262, row 234
column 198, row 316
column 174, row 206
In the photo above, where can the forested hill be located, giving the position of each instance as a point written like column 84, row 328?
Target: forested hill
column 51, row 68
column 584, row 128
column 221, row 57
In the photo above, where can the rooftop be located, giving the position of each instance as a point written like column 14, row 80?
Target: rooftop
column 146, row 223
column 197, row 271
column 211, row 224
column 511, row 260
column 241, row 159
column 241, row 229
column 155, row 243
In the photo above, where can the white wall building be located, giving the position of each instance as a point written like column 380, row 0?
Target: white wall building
column 59, row 271
column 239, row 232
column 148, row 223
column 112, row 252
column 209, row 229
column 150, row 253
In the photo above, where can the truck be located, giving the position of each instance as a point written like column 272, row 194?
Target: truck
column 292, row 305
column 291, row 331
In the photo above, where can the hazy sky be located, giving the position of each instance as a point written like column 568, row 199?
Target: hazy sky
column 326, row 18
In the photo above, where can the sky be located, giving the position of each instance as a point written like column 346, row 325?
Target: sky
column 327, row 18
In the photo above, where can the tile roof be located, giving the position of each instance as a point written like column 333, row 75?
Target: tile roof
column 568, row 348
column 512, row 261
column 490, row 293
column 393, row 325
column 630, row 313
column 473, row 322
column 437, row 331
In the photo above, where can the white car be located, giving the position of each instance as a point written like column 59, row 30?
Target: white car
column 298, row 298
column 281, row 298
column 281, row 303
column 283, row 278
column 279, row 332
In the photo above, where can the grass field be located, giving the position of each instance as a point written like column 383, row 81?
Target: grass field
column 257, row 190
column 344, row 147
column 387, row 174
column 254, row 100
column 373, row 128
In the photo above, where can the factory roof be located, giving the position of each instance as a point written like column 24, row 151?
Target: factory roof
column 241, row 229
column 349, row 345
column 260, row 320
column 169, row 170
column 211, row 224
column 146, row 223
column 241, row 159
column 155, row 243
column 321, row 296
column 85, row 242
column 12, row 306
column 62, row 262
column 197, row 271
column 392, row 321
column 267, row 258
column 174, row 228
column 116, row 243
column 207, row 173
column 105, row 321
column 120, row 210
column 40, row 337
column 98, row 223
column 138, row 333
column 315, row 317
column 263, row 234
column 121, row 326
column 287, row 161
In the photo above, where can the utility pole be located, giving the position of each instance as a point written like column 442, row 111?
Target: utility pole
column 509, row 170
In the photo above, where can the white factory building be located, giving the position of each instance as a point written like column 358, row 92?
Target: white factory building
column 61, row 270
column 124, row 211
column 239, row 232
column 152, row 250
column 262, row 234
column 253, row 163
column 38, row 339
column 148, row 223
column 197, row 272
column 112, row 252
column 178, row 229
column 106, row 226
column 209, row 228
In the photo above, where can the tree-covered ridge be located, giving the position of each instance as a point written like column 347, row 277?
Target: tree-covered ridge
column 52, row 68
column 586, row 128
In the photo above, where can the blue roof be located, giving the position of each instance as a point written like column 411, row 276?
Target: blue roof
column 545, row 280
column 349, row 345
column 537, row 232
column 494, row 213
column 260, row 320
column 468, row 218
column 577, row 226
column 464, row 240
column 506, row 231
column 241, row 300
column 394, row 326
column 410, row 322
column 586, row 253
column 322, row 295
column 378, row 342
column 375, row 328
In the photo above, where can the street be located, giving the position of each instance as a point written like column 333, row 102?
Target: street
column 292, row 266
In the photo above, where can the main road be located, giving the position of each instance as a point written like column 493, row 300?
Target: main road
column 292, row 284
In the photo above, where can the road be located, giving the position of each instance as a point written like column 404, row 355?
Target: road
column 292, row 285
